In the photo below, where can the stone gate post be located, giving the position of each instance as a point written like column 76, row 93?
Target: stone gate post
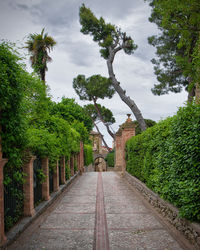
column 126, row 131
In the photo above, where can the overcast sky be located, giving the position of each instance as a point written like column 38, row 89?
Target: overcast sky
column 76, row 53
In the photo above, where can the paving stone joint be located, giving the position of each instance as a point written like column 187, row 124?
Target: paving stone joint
column 190, row 230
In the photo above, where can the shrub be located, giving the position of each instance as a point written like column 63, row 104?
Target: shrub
column 166, row 157
column 110, row 159
column 88, row 155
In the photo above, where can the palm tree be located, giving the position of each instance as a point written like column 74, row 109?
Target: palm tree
column 38, row 46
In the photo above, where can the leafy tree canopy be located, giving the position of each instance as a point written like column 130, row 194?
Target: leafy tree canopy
column 13, row 80
column 69, row 110
column 177, row 44
column 106, row 113
column 38, row 46
column 104, row 33
column 148, row 122
column 93, row 87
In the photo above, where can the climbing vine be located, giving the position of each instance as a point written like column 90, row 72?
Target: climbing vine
column 32, row 122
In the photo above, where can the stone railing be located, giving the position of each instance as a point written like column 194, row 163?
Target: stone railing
column 190, row 230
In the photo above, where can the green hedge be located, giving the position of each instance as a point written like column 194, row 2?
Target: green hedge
column 110, row 159
column 167, row 158
column 88, row 155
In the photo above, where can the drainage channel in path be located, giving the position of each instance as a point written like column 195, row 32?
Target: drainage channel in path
column 101, row 240
column 101, row 212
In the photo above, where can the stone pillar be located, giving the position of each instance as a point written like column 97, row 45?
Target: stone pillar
column 62, row 165
column 126, row 131
column 118, row 151
column 28, row 186
column 78, row 162
column 45, row 185
column 56, row 178
column 2, row 232
column 72, row 164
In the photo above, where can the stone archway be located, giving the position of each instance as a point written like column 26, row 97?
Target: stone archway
column 100, row 164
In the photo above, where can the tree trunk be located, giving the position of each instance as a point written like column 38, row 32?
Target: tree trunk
column 104, row 142
column 123, row 96
column 42, row 75
column 191, row 94
column 197, row 94
column 101, row 118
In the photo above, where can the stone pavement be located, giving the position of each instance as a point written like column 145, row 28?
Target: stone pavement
column 100, row 211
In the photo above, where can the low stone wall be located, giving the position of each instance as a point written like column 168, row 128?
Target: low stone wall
column 190, row 230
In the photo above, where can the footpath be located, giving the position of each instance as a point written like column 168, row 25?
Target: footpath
column 100, row 211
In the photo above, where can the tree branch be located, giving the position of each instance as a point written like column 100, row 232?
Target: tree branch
column 104, row 142
column 101, row 118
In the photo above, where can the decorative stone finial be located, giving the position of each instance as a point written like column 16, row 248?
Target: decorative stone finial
column 128, row 119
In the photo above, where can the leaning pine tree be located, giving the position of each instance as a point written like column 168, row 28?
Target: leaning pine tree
column 111, row 40
column 93, row 88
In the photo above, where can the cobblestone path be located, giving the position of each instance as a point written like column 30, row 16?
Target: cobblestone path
column 100, row 211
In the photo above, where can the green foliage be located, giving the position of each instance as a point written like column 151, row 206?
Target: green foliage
column 67, row 172
column 13, row 214
column 75, row 140
column 14, row 124
column 88, row 155
column 107, row 115
column 75, row 166
column 70, row 111
column 30, row 121
column 176, row 66
column 110, row 159
column 106, row 34
column 149, row 123
column 93, row 87
column 38, row 46
column 82, row 130
column 166, row 158
column 41, row 176
column 11, row 109
column 43, row 143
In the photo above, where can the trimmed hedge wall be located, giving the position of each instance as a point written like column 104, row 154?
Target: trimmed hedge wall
column 166, row 157
column 110, row 159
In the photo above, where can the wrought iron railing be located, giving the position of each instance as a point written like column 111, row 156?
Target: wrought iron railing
column 37, row 167
column 13, row 203
column 50, row 180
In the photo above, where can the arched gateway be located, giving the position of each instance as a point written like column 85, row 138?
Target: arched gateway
column 99, row 152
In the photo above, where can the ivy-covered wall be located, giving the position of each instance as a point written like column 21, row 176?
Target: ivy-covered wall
column 167, row 158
